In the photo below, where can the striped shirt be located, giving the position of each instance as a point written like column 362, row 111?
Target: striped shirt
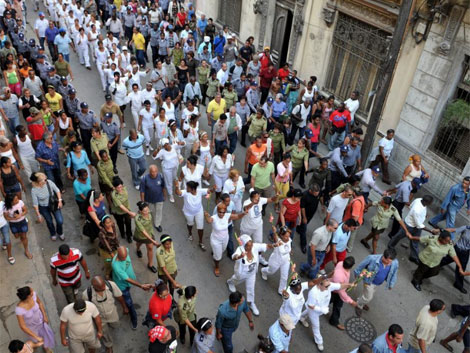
column 68, row 271
column 41, row 195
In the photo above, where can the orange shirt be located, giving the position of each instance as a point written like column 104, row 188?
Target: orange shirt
column 355, row 209
column 256, row 153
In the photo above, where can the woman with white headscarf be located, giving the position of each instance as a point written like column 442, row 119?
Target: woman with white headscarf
column 170, row 161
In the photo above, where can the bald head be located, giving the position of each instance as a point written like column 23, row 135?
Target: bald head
column 122, row 253
column 98, row 283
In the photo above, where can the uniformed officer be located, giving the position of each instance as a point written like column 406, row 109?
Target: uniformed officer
column 72, row 106
column 52, row 78
column 14, row 35
column 33, row 53
column 87, row 119
column 23, row 47
column 64, row 86
column 42, row 66
column 111, row 129
column 9, row 21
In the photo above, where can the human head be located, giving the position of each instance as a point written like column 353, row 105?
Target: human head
column 235, row 298
column 390, row 134
column 331, row 225
column 205, row 325
column 349, row 262
column 444, row 237
column 427, row 200
column 23, row 293
column 436, row 306
column 395, row 334
column 388, row 256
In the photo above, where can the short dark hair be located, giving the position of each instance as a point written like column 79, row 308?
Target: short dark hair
column 364, row 348
column 348, row 262
column 428, row 199
column 387, row 200
column 390, row 253
column 15, row 346
column 444, row 234
column 436, row 305
column 64, row 249
column 395, row 329
column 351, row 222
column 235, row 297
column 390, row 131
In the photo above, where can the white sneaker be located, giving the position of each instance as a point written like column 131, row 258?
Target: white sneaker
column 205, row 182
column 231, row 286
column 62, row 237
column 264, row 275
column 147, row 153
column 254, row 309
column 263, row 261
column 54, row 238
column 150, row 147
column 304, row 321
column 172, row 199
column 137, row 187
column 320, row 347
column 124, row 125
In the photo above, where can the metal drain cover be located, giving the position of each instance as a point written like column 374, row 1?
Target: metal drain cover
column 360, row 330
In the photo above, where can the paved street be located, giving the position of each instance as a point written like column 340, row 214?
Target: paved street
column 400, row 305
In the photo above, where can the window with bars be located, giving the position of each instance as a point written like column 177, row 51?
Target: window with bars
column 230, row 12
column 358, row 52
column 452, row 138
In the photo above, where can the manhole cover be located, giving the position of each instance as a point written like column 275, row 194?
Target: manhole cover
column 360, row 330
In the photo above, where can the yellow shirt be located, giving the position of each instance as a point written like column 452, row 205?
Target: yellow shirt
column 216, row 109
column 139, row 41
column 54, row 102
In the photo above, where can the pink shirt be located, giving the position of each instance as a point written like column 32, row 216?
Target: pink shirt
column 342, row 276
column 281, row 169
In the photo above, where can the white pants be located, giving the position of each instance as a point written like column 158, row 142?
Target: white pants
column 275, row 263
column 250, row 280
column 169, row 175
column 218, row 246
column 148, row 133
column 314, row 318
column 156, row 209
column 256, row 233
column 30, row 164
column 367, row 294
column 135, row 115
column 199, row 219
column 102, row 75
column 83, row 55
column 219, row 181
column 238, row 204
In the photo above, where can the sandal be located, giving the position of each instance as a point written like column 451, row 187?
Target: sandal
column 139, row 254
column 364, row 242
column 4, row 247
column 190, row 237
column 202, row 246
column 216, row 272
column 11, row 260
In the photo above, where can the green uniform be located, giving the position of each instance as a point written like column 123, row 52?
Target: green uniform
column 257, row 126
column 298, row 157
column 142, row 224
column 119, row 199
column 166, row 259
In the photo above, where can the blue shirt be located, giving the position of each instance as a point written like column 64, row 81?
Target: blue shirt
column 78, row 163
column 403, row 191
column 202, row 24
column 380, row 345
column 340, row 238
column 62, row 44
column 228, row 317
column 372, row 263
column 152, row 188
column 219, row 43
column 456, row 198
column 52, row 154
column 279, row 338
column 134, row 149
column 51, row 33
column 81, row 189
column 381, row 274
column 278, row 108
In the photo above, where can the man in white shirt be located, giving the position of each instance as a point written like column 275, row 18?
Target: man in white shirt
column 338, row 204
column 222, row 74
column 383, row 152
column 352, row 104
column 367, row 182
column 40, row 27
column 414, row 222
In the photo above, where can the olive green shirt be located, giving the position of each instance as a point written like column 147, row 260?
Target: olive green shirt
column 278, row 141
column 434, row 251
column 203, row 74
column 212, row 86
column 99, row 144
column 119, row 199
column 298, row 157
column 230, row 97
column 257, row 126
column 382, row 218
column 166, row 259
column 186, row 310
column 143, row 224
column 105, row 172
column 62, row 68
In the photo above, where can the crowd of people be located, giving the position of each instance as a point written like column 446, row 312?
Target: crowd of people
column 172, row 67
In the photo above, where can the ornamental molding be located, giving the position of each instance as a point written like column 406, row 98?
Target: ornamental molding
column 374, row 15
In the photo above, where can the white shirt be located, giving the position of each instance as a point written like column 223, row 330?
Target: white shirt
column 220, row 226
column 321, row 299
column 135, row 98
column 135, row 78
column 3, row 221
column 282, row 252
column 161, row 127
column 41, row 26
column 219, row 168
column 254, row 218
column 303, row 113
column 293, row 305
column 121, row 91
column 222, row 76
column 192, row 133
column 352, row 106
column 367, row 181
column 193, row 203
column 243, row 267
column 169, row 159
column 230, row 186
column 169, row 111
column 196, row 175
column 147, row 117
column 187, row 114
column 417, row 214
column 150, row 96
column 387, row 146
column 337, row 206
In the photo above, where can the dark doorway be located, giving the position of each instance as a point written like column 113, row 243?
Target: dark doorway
column 286, row 40
column 281, row 33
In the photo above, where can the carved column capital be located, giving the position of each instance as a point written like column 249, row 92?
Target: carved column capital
column 453, row 23
column 328, row 16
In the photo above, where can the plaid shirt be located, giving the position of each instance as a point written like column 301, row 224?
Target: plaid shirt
column 44, row 152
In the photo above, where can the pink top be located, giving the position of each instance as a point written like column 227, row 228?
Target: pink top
column 342, row 276
column 16, row 208
column 281, row 169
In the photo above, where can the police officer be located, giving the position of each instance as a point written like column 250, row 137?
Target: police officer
column 9, row 21
column 52, row 78
column 33, row 53
column 87, row 119
column 23, row 47
column 72, row 106
column 64, row 86
column 42, row 66
column 111, row 129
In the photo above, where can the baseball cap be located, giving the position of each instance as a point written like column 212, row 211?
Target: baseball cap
column 7, row 13
column 164, row 141
column 207, row 39
column 50, row 69
column 34, row 110
column 254, row 83
column 41, row 13
column 41, row 56
column 286, row 321
column 157, row 333
column 32, row 42
column 267, row 48
column 108, row 115
column 124, row 48
column 308, row 133
column 344, row 148
column 63, row 78
column 72, row 91
column 417, row 181
column 229, row 37
column 270, row 99
column 108, row 97
column 83, row 105
column 62, row 30
column 375, row 169
column 21, row 36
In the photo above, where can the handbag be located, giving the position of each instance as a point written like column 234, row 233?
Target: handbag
column 53, row 199
column 296, row 118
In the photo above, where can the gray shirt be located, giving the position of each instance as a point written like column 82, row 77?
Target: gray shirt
column 253, row 69
column 403, row 191
column 354, row 154
column 163, row 46
column 111, row 130
column 129, row 19
column 252, row 99
column 203, row 343
column 10, row 107
column 41, row 195
column 336, row 162
column 86, row 120
column 34, row 86
column 464, row 242
column 243, row 111
column 321, row 238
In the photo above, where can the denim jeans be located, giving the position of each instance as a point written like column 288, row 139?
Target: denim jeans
column 47, row 213
column 13, row 122
column 140, row 57
column 414, row 245
column 54, row 176
column 138, row 167
column 294, row 132
column 232, row 139
column 449, row 216
column 219, row 144
column 336, row 140
column 310, row 270
column 230, row 247
column 126, row 294
column 227, row 339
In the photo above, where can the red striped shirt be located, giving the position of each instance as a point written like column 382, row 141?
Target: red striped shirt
column 68, row 270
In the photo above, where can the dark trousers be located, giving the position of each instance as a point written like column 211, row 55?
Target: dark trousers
column 182, row 328
column 204, row 93
column 302, row 230
column 113, row 153
column 124, row 224
column 424, row 271
column 380, row 160
column 294, row 130
column 396, row 226
column 126, row 294
column 54, row 176
column 463, row 258
column 264, row 94
column 462, row 310
column 86, row 138
column 154, row 55
column 414, row 249
column 336, row 179
column 247, row 180
column 128, row 32
column 337, row 305
column 48, row 213
column 244, row 132
column 140, row 55
column 232, row 138
column 230, row 247
column 227, row 339
column 300, row 171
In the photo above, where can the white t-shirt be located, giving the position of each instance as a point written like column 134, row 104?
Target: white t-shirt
column 196, row 175
column 337, row 206
column 41, row 26
column 161, row 127
column 187, row 114
column 220, row 226
column 147, row 117
column 193, row 135
column 293, row 305
column 193, row 203
column 239, row 186
column 80, row 327
column 169, row 111
column 283, row 251
column 169, row 159
column 219, row 168
column 254, row 218
column 319, row 298
column 352, row 106
column 245, row 268
column 387, row 146
column 3, row 221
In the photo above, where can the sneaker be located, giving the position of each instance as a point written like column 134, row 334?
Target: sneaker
column 172, row 199
column 190, row 237
column 137, row 187
column 62, row 237
column 263, row 261
column 133, row 326
column 320, row 347
column 263, row 275
column 254, row 309
column 303, row 321
column 159, row 229
column 205, row 182
column 75, row 291
column 147, row 153
column 231, row 286
column 150, row 147
column 54, row 238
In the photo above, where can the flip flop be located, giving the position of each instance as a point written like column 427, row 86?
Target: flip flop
column 202, row 246
column 216, row 272
column 11, row 260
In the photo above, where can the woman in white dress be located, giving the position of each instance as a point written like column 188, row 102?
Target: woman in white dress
column 93, row 40
column 136, row 100
column 220, row 168
column 294, row 299
column 190, row 133
column 204, row 150
column 82, row 48
column 161, row 125
column 192, row 171
column 219, row 235
column 101, row 55
column 170, row 161
column 235, row 187
column 119, row 90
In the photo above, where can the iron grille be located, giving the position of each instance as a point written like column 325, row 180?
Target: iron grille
column 452, row 139
column 229, row 14
column 359, row 50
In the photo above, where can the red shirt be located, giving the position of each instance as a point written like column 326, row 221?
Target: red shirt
column 266, row 77
column 315, row 131
column 265, row 60
column 390, row 345
column 283, row 73
column 159, row 308
column 181, row 17
column 292, row 210
column 340, row 119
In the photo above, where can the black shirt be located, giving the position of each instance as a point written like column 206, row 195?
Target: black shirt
column 158, row 347
column 245, row 53
column 310, row 203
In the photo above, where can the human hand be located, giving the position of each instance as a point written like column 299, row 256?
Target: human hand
column 99, row 335
column 54, row 282
column 87, row 274
column 324, row 310
column 252, row 325
column 219, row 336
column 40, row 219
column 125, row 310
column 65, row 343
column 435, row 231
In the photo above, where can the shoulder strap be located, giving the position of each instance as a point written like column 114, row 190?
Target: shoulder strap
column 88, row 293
column 110, row 287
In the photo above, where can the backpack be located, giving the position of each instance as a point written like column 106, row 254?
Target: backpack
column 88, row 290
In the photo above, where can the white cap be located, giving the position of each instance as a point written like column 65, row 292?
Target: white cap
column 207, row 39
column 124, row 47
column 229, row 37
column 164, row 141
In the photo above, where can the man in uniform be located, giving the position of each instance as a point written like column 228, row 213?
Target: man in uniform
column 87, row 120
